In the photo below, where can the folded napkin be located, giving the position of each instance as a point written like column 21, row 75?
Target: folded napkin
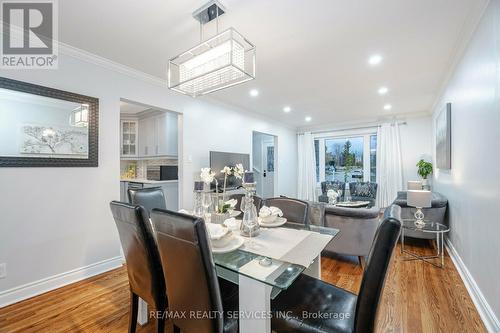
column 232, row 224
column 268, row 211
column 216, row 231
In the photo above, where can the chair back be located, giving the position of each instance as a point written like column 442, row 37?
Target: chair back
column 363, row 191
column 239, row 197
column 149, row 198
column 144, row 269
column 374, row 276
column 189, row 270
column 357, row 229
column 294, row 210
column 332, row 185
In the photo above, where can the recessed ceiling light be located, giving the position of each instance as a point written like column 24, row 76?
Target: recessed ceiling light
column 375, row 60
column 382, row 90
column 254, row 93
column 287, row 109
column 308, row 118
column 387, row 107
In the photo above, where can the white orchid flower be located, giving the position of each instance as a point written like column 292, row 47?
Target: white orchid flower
column 207, row 176
column 231, row 202
column 227, row 170
column 238, row 171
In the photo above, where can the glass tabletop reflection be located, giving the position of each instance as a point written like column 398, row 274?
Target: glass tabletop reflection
column 240, row 262
column 429, row 226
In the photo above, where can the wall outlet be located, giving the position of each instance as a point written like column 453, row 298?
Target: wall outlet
column 3, row 271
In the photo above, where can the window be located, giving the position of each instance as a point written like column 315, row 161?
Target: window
column 347, row 158
column 373, row 158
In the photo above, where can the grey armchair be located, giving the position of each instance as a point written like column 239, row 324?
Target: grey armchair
column 436, row 213
column 357, row 228
column 330, row 185
column 363, row 191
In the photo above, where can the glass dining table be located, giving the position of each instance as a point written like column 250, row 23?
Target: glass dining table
column 261, row 276
column 259, row 284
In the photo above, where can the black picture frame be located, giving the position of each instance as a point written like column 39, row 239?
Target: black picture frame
column 92, row 159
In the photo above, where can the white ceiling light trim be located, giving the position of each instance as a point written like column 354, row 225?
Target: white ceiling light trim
column 225, row 60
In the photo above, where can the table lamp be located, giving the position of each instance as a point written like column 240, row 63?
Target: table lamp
column 414, row 185
column 419, row 199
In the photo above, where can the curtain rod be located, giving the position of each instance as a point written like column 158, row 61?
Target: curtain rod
column 350, row 128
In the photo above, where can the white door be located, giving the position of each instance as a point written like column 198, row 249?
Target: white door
column 268, row 168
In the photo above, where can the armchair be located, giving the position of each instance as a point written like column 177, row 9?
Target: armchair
column 357, row 228
column 330, row 185
column 364, row 191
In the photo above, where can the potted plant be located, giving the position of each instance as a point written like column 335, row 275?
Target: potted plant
column 424, row 170
column 223, row 208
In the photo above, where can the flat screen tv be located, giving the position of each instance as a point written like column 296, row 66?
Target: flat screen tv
column 218, row 160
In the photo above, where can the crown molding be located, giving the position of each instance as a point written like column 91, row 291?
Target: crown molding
column 467, row 32
column 375, row 121
column 92, row 58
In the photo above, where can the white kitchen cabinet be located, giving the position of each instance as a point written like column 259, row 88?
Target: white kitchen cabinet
column 147, row 137
column 158, row 135
column 128, row 138
column 166, row 125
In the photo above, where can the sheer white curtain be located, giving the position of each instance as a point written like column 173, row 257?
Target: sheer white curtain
column 307, row 167
column 389, row 174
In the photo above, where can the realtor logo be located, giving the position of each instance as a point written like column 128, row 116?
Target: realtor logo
column 29, row 34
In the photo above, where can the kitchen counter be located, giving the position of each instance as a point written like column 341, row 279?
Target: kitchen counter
column 147, row 181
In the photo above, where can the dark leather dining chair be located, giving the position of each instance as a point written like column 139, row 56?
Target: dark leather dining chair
column 294, row 210
column 345, row 311
column 189, row 270
column 145, row 274
column 239, row 197
column 149, row 198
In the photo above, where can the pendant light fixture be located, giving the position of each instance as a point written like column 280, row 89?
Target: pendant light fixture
column 219, row 62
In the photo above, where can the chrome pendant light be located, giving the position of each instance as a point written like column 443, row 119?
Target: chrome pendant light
column 225, row 60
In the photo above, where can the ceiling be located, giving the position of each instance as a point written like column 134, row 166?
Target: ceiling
column 312, row 58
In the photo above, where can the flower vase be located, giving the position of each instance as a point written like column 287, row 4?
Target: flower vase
column 219, row 218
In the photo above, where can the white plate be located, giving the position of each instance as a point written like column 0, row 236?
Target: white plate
column 235, row 213
column 276, row 223
column 234, row 244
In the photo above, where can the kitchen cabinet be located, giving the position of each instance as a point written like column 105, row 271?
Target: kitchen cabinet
column 147, row 137
column 128, row 136
column 158, row 135
column 166, row 127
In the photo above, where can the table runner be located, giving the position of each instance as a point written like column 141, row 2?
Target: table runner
column 299, row 247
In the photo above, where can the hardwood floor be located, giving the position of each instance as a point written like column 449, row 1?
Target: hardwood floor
column 417, row 298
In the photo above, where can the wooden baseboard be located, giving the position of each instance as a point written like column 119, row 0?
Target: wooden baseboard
column 485, row 311
column 35, row 288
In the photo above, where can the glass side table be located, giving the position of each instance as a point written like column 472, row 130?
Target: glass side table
column 430, row 227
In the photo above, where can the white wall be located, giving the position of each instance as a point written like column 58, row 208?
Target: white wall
column 58, row 219
column 473, row 183
column 416, row 144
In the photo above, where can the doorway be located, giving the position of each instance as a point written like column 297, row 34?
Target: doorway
column 264, row 163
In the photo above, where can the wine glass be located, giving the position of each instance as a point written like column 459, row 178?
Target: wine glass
column 206, row 202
